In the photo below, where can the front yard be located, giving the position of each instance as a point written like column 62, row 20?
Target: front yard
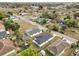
column 24, row 25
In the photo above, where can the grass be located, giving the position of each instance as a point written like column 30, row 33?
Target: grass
column 68, row 52
column 48, row 53
column 29, row 52
column 72, row 34
column 24, row 25
column 32, row 46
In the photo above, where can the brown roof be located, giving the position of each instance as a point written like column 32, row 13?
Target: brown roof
column 6, row 46
column 58, row 46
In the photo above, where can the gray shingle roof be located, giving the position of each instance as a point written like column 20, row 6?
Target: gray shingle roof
column 33, row 31
column 3, row 34
column 57, row 47
column 42, row 38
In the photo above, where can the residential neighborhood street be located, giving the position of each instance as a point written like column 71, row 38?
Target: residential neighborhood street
column 39, row 29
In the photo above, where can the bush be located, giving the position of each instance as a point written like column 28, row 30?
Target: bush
column 71, row 23
column 55, row 27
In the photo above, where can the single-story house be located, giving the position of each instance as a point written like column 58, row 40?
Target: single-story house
column 33, row 32
column 6, row 47
column 69, row 40
column 3, row 35
column 42, row 21
column 58, row 47
column 42, row 39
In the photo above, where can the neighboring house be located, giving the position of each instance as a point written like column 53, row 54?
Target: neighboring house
column 33, row 32
column 42, row 21
column 58, row 47
column 62, row 24
column 69, row 40
column 6, row 47
column 3, row 33
column 42, row 39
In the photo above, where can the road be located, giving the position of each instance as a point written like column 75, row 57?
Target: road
column 26, row 19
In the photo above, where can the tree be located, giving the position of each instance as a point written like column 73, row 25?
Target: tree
column 40, row 7
column 18, row 34
column 68, row 17
column 43, row 21
column 15, row 26
column 55, row 16
column 10, row 13
column 77, row 44
column 11, row 25
column 1, row 17
column 55, row 27
column 2, row 14
column 73, row 46
column 45, row 15
column 8, row 24
column 71, row 23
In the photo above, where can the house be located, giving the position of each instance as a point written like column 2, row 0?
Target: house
column 33, row 32
column 58, row 47
column 62, row 24
column 3, row 33
column 6, row 47
column 42, row 39
column 69, row 40
column 42, row 21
